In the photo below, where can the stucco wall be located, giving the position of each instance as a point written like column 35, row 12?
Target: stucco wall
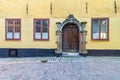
column 114, row 37
column 60, row 10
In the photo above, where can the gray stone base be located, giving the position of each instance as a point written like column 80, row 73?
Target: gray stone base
column 70, row 54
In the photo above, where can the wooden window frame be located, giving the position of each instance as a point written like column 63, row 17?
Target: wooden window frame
column 41, row 19
column 12, row 19
column 100, row 29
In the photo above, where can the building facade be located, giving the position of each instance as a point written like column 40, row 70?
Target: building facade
column 52, row 27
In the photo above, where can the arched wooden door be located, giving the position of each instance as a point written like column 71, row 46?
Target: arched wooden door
column 70, row 38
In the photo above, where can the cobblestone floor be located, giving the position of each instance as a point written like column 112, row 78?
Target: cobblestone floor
column 60, row 68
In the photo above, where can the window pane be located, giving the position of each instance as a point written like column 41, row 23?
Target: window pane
column 44, row 29
column 17, row 29
column 44, row 25
column 37, row 25
column 17, row 25
column 16, row 35
column 9, row 35
column 95, row 29
column 37, row 35
column 9, row 29
column 103, row 34
column 44, row 35
column 9, row 26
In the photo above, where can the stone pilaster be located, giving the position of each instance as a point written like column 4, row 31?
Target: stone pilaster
column 59, row 42
column 83, row 42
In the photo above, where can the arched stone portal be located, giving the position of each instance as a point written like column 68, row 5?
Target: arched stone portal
column 75, row 40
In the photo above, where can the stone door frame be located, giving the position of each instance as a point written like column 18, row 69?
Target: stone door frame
column 82, row 34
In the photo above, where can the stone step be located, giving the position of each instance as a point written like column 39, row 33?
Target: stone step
column 70, row 54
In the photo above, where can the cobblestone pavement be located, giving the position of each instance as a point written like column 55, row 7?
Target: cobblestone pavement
column 60, row 68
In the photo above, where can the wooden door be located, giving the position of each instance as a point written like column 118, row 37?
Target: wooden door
column 70, row 38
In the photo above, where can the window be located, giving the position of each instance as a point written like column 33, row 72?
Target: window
column 13, row 29
column 100, row 29
column 41, row 29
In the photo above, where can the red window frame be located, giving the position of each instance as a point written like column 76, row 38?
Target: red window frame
column 99, row 26
column 34, row 28
column 13, row 28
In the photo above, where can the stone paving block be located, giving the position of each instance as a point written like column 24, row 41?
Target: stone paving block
column 62, row 68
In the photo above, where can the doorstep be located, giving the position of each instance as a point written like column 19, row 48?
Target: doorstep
column 70, row 54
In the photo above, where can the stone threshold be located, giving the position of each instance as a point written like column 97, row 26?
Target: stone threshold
column 70, row 54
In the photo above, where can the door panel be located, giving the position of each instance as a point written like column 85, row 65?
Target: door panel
column 70, row 38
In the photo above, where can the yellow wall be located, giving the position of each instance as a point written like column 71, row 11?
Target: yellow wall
column 114, row 36
column 60, row 11
column 96, row 8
